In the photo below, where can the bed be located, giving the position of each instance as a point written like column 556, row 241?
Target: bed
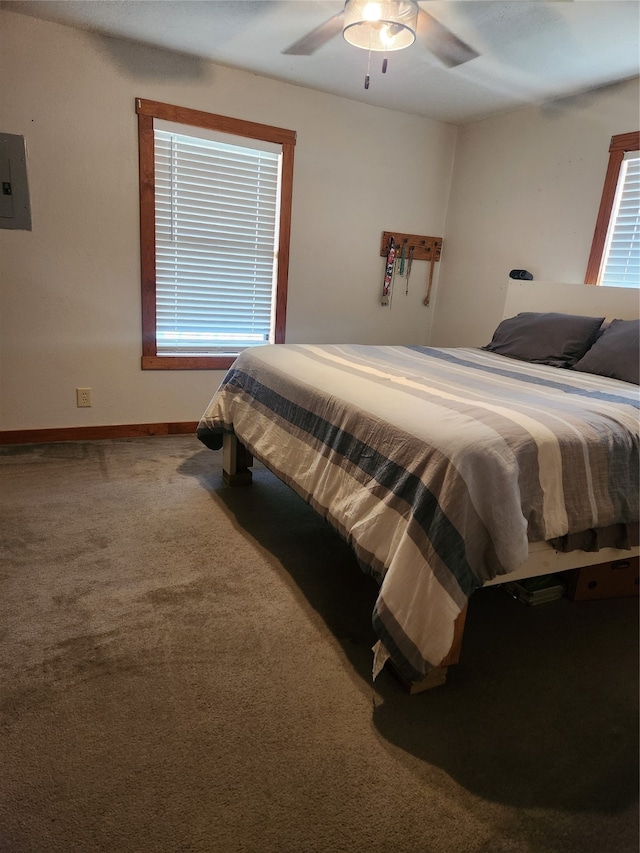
column 449, row 469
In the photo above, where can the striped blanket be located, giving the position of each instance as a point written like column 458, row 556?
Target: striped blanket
column 438, row 466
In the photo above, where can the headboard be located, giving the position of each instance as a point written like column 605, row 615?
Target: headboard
column 622, row 303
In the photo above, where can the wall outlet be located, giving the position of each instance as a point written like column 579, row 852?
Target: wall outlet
column 83, row 397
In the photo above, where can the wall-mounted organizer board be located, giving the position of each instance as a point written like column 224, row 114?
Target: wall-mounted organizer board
column 423, row 248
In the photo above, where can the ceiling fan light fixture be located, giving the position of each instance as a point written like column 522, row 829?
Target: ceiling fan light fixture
column 383, row 25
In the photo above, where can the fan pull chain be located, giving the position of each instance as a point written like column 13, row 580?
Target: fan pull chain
column 366, row 79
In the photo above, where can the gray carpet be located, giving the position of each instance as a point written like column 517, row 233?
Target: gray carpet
column 186, row 667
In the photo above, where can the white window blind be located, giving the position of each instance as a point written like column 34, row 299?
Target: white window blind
column 621, row 258
column 216, row 239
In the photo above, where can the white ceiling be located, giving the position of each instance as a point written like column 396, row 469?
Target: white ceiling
column 532, row 51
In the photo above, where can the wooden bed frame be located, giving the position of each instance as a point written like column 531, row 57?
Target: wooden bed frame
column 588, row 300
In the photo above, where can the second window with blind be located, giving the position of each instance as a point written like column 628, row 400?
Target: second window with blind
column 215, row 204
column 615, row 250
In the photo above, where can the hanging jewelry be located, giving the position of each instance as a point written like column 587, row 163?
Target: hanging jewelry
column 409, row 265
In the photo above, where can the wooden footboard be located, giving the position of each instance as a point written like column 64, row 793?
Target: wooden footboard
column 236, row 461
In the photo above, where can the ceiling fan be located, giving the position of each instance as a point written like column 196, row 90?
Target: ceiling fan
column 384, row 26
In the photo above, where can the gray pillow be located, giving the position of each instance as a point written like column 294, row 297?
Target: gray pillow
column 616, row 353
column 559, row 340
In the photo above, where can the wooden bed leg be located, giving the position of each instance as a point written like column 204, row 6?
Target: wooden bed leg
column 438, row 675
column 458, row 634
column 236, row 461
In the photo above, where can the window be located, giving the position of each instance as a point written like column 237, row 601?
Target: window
column 615, row 251
column 215, row 214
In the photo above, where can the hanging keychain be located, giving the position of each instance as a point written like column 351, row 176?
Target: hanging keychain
column 388, row 271
column 409, row 265
column 427, row 298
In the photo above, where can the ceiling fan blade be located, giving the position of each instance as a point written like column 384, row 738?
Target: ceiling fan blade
column 442, row 42
column 317, row 38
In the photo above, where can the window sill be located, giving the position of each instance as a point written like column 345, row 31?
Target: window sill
column 187, row 362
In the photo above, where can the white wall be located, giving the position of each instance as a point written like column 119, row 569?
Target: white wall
column 525, row 195
column 70, row 289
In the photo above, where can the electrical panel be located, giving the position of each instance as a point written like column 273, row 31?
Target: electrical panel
column 15, row 210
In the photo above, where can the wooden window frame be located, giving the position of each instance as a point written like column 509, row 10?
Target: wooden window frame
column 620, row 144
column 147, row 111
